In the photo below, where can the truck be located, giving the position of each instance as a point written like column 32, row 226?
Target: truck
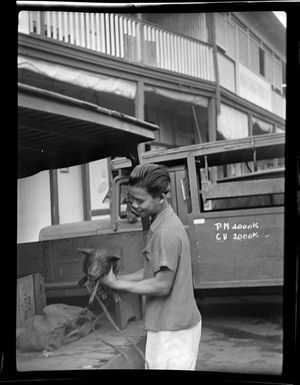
column 229, row 195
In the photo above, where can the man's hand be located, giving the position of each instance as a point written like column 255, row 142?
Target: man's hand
column 109, row 279
column 158, row 285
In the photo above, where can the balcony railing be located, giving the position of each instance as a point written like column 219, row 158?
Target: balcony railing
column 128, row 39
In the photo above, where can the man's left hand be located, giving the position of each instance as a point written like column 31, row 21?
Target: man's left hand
column 109, row 279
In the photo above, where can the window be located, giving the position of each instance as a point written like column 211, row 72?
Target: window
column 260, row 127
column 232, row 123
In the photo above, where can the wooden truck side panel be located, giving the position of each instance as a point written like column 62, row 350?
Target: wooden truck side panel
column 242, row 248
column 59, row 261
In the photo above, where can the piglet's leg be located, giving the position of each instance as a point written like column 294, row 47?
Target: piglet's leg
column 116, row 297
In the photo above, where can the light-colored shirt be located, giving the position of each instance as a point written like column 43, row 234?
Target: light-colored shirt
column 167, row 245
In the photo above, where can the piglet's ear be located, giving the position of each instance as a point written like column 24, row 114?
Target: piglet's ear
column 113, row 258
column 86, row 251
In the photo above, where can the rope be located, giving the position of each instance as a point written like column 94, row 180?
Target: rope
column 117, row 328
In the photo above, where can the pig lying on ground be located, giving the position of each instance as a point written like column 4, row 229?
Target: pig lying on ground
column 97, row 263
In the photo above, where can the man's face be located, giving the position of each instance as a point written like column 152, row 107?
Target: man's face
column 142, row 203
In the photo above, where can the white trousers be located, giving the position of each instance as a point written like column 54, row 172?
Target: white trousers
column 177, row 350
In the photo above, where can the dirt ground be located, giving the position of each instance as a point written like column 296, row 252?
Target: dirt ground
column 242, row 335
column 239, row 334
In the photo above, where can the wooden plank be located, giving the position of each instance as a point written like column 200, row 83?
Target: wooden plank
column 112, row 35
column 82, row 30
column 107, row 33
column 121, row 28
column 98, row 45
column 77, row 29
column 65, row 292
column 192, row 173
column 65, row 22
column 117, row 35
column 93, row 42
column 25, row 299
column 87, row 30
column 71, row 27
column 102, row 33
column 54, row 20
column 38, row 22
column 48, row 22
column 39, row 293
column 60, row 26
column 225, row 151
column 240, row 284
column 140, row 42
column 243, row 188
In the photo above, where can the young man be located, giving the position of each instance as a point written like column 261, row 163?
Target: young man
column 172, row 319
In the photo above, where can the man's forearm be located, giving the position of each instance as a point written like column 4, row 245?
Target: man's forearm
column 150, row 286
column 133, row 277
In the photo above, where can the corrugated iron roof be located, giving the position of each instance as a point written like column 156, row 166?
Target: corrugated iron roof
column 56, row 131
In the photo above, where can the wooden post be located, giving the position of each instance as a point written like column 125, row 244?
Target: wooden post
column 212, row 121
column 250, row 128
column 197, row 125
column 140, row 39
column 212, row 37
column 193, row 184
column 54, row 197
column 139, row 103
column 86, row 193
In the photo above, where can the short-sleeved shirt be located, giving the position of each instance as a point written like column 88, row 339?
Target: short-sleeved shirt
column 167, row 245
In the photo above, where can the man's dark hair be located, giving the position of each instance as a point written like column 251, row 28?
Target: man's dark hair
column 153, row 177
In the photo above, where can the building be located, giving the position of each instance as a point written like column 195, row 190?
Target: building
column 200, row 77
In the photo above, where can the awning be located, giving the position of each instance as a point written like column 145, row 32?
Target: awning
column 78, row 77
column 56, row 131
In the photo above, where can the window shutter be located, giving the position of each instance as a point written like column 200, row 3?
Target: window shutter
column 243, row 46
column 220, row 30
column 230, row 35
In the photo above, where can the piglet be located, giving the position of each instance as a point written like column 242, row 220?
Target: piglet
column 97, row 263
